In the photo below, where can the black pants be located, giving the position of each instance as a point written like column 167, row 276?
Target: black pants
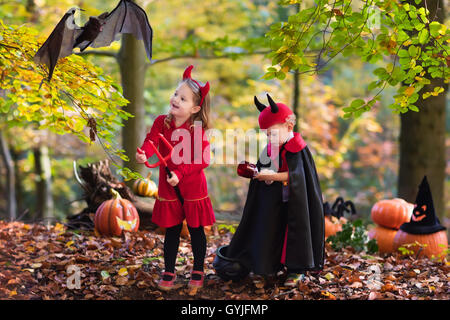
column 172, row 241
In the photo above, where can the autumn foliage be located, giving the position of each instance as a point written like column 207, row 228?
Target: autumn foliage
column 39, row 262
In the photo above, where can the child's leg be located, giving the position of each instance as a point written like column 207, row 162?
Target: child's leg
column 198, row 242
column 171, row 243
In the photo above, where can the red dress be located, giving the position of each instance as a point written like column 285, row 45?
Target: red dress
column 197, row 208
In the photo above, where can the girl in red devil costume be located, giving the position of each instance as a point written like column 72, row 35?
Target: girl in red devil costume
column 188, row 118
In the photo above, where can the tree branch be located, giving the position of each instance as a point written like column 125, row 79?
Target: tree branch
column 111, row 54
column 207, row 57
column 155, row 61
column 8, row 46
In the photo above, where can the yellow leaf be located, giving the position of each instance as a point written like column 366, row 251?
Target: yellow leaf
column 59, row 227
column 329, row 276
column 123, row 272
column 69, row 243
column 12, row 293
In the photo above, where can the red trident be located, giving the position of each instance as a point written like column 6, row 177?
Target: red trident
column 163, row 160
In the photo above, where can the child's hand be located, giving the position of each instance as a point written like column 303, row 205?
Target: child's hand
column 265, row 175
column 174, row 180
column 140, row 157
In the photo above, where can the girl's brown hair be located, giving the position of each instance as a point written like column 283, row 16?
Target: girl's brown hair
column 203, row 114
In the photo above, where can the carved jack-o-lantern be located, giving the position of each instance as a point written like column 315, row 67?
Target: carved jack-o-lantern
column 424, row 226
column 419, row 213
column 115, row 216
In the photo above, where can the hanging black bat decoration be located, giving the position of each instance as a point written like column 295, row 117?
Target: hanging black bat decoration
column 127, row 17
column 100, row 31
column 60, row 42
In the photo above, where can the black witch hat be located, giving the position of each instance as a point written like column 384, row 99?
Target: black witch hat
column 423, row 219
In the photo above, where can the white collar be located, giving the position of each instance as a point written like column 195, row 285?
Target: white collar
column 291, row 135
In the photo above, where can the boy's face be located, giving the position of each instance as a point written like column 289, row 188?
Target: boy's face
column 279, row 133
column 182, row 102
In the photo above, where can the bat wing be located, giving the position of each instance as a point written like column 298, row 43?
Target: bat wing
column 58, row 44
column 127, row 17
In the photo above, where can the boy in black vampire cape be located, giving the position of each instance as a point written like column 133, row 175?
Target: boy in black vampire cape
column 283, row 220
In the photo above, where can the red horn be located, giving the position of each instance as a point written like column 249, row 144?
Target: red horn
column 187, row 72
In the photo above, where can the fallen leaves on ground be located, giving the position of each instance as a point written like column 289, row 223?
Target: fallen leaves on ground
column 40, row 262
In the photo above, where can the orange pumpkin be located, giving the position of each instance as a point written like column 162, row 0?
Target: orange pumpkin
column 384, row 237
column 145, row 187
column 333, row 225
column 435, row 243
column 391, row 213
column 115, row 216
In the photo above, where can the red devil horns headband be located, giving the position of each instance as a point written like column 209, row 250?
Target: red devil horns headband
column 203, row 90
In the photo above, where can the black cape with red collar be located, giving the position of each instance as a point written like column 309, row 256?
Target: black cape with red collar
column 258, row 241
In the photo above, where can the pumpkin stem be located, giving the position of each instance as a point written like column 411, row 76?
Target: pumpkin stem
column 115, row 194
column 149, row 175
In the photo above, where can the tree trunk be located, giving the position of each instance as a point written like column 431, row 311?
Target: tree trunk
column 10, row 178
column 296, row 98
column 422, row 139
column 44, row 198
column 19, row 186
column 296, row 102
column 132, row 61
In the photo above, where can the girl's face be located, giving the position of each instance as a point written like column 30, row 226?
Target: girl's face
column 182, row 103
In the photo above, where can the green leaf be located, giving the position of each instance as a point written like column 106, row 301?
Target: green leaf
column 379, row 71
column 347, row 115
column 413, row 108
column 412, row 50
column 357, row 103
column 347, row 109
column 372, row 246
column 403, row 53
column 148, row 260
column 412, row 14
column 280, row 75
column 402, row 36
column 373, row 85
column 423, row 36
column 434, row 28
column 413, row 98
column 105, row 274
column 268, row 76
